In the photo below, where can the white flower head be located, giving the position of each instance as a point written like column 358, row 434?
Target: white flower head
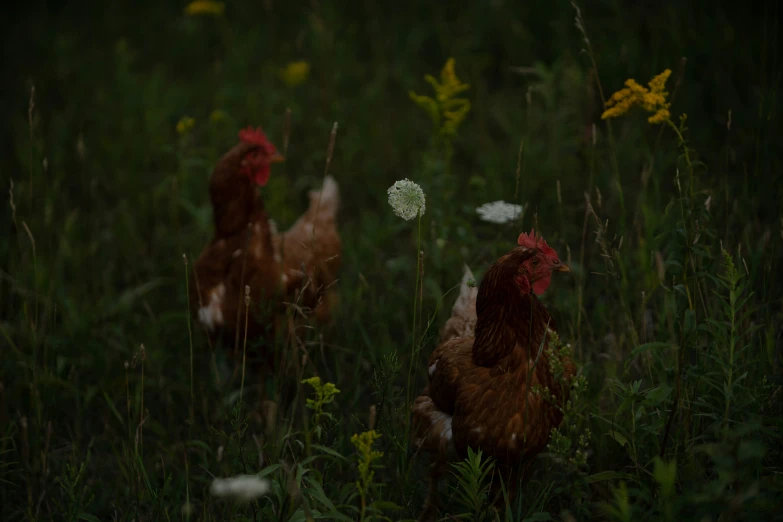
column 243, row 488
column 499, row 212
column 406, row 199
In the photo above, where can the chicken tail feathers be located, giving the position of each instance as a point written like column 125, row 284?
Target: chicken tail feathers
column 462, row 322
column 325, row 202
column 466, row 302
column 432, row 428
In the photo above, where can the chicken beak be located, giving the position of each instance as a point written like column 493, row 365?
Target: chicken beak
column 276, row 158
column 561, row 267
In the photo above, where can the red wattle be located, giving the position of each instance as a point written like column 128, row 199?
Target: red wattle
column 261, row 176
column 542, row 284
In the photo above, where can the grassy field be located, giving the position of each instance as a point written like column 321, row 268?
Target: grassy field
column 111, row 409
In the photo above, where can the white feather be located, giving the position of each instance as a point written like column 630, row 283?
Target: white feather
column 211, row 315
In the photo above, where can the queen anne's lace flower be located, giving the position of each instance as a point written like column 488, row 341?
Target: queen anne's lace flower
column 407, row 199
column 243, row 488
column 499, row 212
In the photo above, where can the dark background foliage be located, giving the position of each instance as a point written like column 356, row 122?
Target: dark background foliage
column 107, row 197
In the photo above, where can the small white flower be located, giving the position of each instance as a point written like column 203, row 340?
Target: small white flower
column 499, row 212
column 243, row 488
column 406, row 199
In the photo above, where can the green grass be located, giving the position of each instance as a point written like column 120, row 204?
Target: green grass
column 673, row 307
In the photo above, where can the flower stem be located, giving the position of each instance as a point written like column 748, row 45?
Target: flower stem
column 190, row 336
column 414, row 340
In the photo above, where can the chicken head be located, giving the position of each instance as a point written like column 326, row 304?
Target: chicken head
column 256, row 162
column 535, row 272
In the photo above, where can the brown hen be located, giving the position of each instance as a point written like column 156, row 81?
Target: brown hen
column 295, row 268
column 492, row 351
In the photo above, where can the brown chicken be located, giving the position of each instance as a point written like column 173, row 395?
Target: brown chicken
column 481, row 373
column 294, row 268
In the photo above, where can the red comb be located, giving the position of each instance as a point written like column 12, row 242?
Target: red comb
column 534, row 241
column 257, row 137
column 253, row 136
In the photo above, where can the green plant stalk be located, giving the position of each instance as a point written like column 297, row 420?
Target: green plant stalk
column 685, row 151
column 623, row 303
column 187, row 485
column 612, row 144
column 687, row 225
column 616, row 170
column 732, row 345
column 190, row 336
column 363, row 510
column 30, row 109
column 580, row 292
column 408, row 415
column 633, row 434
column 244, row 353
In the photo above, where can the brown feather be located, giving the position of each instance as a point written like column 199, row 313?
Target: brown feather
column 246, row 250
column 479, row 392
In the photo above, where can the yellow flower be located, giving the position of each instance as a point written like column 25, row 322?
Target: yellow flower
column 185, row 125
column 652, row 99
column 217, row 116
column 324, row 393
column 363, row 443
column 445, row 109
column 660, row 116
column 295, row 73
column 658, row 83
column 205, row 7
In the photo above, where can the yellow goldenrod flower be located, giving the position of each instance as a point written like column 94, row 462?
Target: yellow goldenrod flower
column 445, row 109
column 295, row 73
column 660, row 116
column 207, row 7
column 652, row 99
column 658, row 83
column 364, row 442
column 324, row 393
column 367, row 456
column 217, row 116
column 185, row 125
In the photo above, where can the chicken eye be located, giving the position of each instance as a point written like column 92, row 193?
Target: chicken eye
column 534, row 263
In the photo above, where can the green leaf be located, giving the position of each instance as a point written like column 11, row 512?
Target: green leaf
column 268, row 470
column 146, row 478
column 316, row 491
column 538, row 517
column 690, row 322
column 658, row 395
column 619, row 437
column 643, row 348
column 608, row 475
column 130, row 296
column 385, row 505
column 665, row 473
column 113, row 408
column 328, row 451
